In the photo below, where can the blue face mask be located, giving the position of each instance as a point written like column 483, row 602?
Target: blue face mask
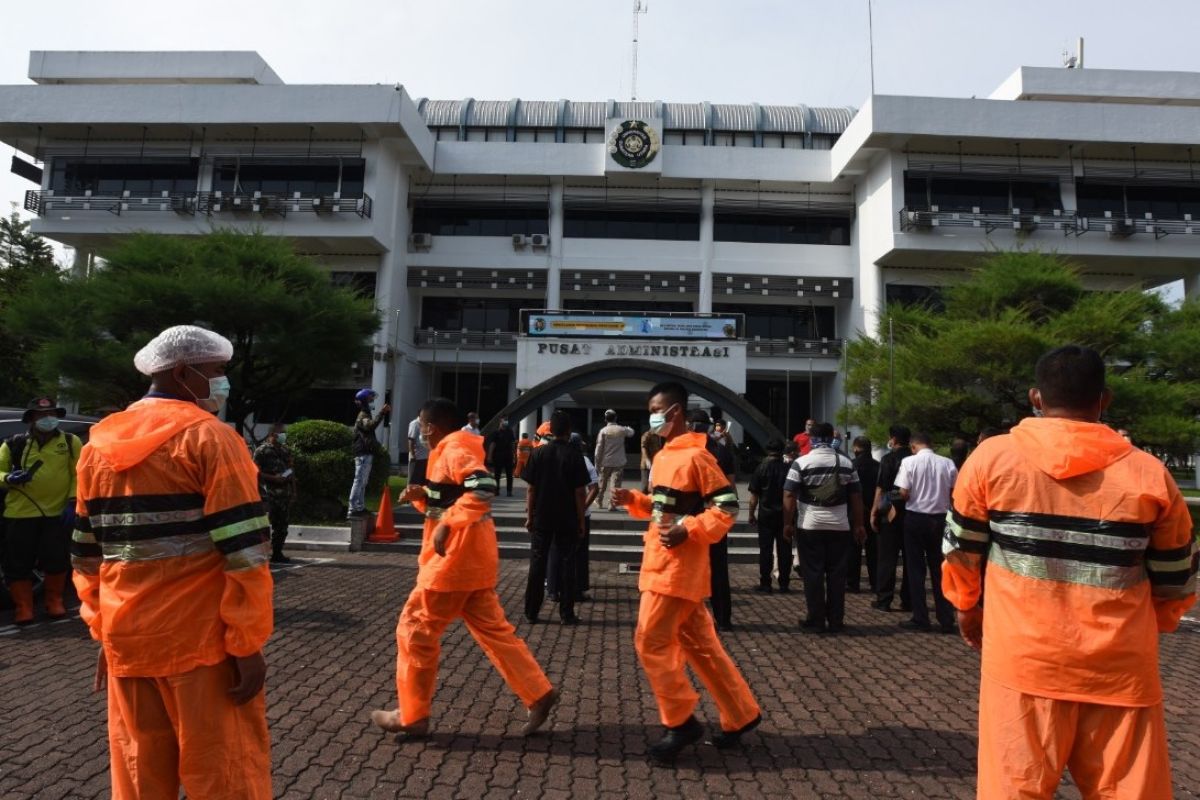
column 46, row 424
column 836, row 444
column 658, row 420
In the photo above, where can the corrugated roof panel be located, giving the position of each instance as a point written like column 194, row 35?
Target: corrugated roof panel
column 488, row 114
column 784, row 119
column 831, row 120
column 683, row 116
column 733, row 117
column 584, row 115
column 537, row 114
column 439, row 113
column 639, row 109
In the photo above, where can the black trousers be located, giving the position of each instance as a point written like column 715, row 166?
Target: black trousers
column 564, row 541
column 923, row 546
column 823, row 557
column 43, row 543
column 583, row 575
column 773, row 547
column 889, row 546
column 854, row 568
column 722, row 598
column 503, row 469
column 279, row 516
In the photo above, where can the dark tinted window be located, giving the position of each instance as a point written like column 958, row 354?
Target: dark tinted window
column 612, row 223
column 311, row 178
column 964, row 193
column 915, row 295
column 361, row 283
column 780, row 229
column 474, row 314
column 487, row 221
column 1096, row 198
column 112, row 178
column 783, row 322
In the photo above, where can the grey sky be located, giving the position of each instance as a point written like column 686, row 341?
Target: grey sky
column 768, row 51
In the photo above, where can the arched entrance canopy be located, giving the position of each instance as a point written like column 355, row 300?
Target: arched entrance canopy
column 756, row 425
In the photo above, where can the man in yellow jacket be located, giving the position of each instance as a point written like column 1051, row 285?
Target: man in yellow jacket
column 691, row 505
column 456, row 578
column 170, row 554
column 38, row 470
column 1090, row 556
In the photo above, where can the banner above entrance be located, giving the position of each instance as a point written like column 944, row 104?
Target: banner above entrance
column 632, row 326
column 539, row 360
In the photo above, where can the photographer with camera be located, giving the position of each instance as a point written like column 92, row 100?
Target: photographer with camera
column 38, row 471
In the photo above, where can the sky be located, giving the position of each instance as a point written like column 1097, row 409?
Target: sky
column 765, row 51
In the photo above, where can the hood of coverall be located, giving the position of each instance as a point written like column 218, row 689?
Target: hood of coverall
column 127, row 438
column 1065, row 448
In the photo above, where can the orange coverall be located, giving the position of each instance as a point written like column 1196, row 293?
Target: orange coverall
column 524, row 448
column 461, row 584
column 673, row 625
column 170, row 555
column 1090, row 555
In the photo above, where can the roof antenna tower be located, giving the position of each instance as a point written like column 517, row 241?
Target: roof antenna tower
column 639, row 8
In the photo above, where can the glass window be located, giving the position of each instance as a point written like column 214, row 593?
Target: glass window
column 616, row 223
column 1096, row 198
column 475, row 314
column 783, row 322
column 757, row 227
column 480, row 221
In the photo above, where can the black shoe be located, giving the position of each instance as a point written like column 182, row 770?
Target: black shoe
column 725, row 627
column 763, row 588
column 727, row 739
column 812, row 625
column 280, row 558
column 913, row 625
column 881, row 605
column 533, row 620
column 667, row 748
column 571, row 620
column 783, row 589
column 835, row 629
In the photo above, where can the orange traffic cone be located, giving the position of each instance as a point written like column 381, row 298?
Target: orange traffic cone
column 385, row 524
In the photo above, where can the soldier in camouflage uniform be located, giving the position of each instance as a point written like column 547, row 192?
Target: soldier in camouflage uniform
column 277, row 484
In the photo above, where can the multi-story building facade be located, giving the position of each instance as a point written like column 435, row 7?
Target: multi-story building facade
column 790, row 225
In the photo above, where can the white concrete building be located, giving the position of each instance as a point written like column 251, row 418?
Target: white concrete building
column 794, row 224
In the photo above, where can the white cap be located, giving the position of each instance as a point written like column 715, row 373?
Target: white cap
column 182, row 344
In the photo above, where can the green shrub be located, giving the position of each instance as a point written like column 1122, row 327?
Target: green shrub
column 324, row 465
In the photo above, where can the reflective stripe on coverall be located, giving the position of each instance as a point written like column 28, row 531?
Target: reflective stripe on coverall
column 170, row 554
column 674, row 627
column 460, row 584
column 1090, row 555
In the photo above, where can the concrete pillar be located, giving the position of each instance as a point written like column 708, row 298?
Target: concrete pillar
column 528, row 425
column 554, row 266
column 708, row 195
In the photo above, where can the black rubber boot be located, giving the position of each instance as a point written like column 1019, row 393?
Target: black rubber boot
column 667, row 748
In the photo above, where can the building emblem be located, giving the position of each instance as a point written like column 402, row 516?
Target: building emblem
column 633, row 144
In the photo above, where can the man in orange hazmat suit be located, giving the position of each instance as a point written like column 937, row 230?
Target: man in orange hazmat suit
column 456, row 578
column 170, row 553
column 690, row 506
column 1090, row 555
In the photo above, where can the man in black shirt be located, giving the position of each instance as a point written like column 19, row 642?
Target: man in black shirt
column 718, row 554
column 868, row 475
column 554, row 504
column 887, row 520
column 766, row 510
column 501, row 450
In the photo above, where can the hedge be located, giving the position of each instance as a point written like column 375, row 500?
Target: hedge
column 324, row 464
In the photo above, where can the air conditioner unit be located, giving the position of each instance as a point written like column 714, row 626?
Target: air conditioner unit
column 539, row 240
column 421, row 241
column 518, row 240
column 920, row 219
column 1120, row 228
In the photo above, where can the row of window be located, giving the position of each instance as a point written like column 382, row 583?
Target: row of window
column 313, row 178
column 111, row 177
column 503, row 314
column 1161, row 202
column 793, row 141
column 617, row 223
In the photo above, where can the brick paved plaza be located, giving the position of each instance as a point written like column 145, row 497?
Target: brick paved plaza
column 877, row 713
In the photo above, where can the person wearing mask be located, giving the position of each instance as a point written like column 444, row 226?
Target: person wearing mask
column 651, row 444
column 456, row 578
column 1091, row 556
column 867, row 469
column 823, row 493
column 610, row 454
column 690, row 506
column 554, row 516
column 720, row 432
column 887, row 520
column 766, row 511
column 170, row 555
column 418, row 453
column 38, row 470
column 721, row 598
column 803, row 439
column 277, row 486
column 363, row 448
column 582, row 551
column 472, row 425
column 925, row 482
column 501, row 449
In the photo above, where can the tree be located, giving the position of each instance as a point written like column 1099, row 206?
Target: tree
column 290, row 326
column 24, row 257
column 969, row 364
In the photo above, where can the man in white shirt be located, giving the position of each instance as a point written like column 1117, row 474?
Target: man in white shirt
column 926, row 481
column 418, row 454
column 826, row 487
column 610, row 455
column 472, row 425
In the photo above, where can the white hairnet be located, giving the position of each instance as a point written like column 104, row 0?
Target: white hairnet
column 182, row 344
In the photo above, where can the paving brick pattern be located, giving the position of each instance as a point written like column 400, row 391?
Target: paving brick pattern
column 877, row 713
